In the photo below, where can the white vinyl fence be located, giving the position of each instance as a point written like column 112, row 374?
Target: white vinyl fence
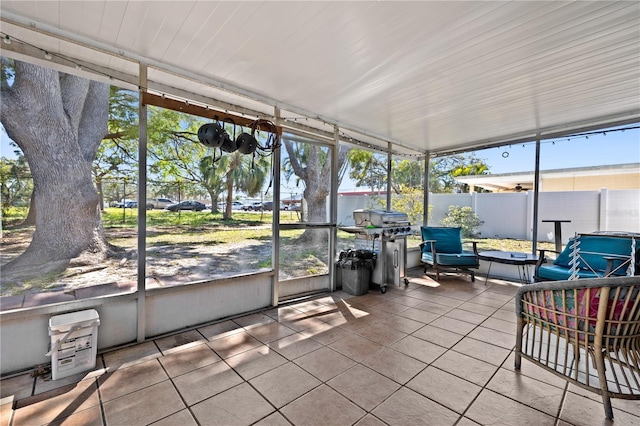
column 510, row 215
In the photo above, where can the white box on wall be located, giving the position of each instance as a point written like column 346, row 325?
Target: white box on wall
column 74, row 342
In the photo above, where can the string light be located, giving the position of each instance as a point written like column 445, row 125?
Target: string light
column 6, row 39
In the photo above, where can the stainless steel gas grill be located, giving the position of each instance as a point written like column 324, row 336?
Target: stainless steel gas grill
column 385, row 233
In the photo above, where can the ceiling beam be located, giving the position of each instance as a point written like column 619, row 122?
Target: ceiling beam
column 188, row 108
column 55, row 32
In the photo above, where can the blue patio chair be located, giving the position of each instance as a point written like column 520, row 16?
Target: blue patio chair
column 596, row 255
column 442, row 250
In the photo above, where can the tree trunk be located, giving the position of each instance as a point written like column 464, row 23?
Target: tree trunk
column 214, row 193
column 227, row 207
column 316, row 175
column 100, row 193
column 30, row 220
column 58, row 121
column 317, row 186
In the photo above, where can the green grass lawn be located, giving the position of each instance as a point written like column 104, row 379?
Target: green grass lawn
column 177, row 239
column 117, row 217
column 187, row 227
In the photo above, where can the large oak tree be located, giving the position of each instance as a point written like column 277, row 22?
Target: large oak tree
column 312, row 165
column 58, row 120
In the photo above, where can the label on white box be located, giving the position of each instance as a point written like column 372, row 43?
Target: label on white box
column 83, row 342
column 66, row 363
column 75, row 352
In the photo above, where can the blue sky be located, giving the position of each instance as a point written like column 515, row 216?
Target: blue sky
column 616, row 147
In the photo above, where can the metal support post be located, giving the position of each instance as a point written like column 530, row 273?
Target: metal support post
column 142, row 204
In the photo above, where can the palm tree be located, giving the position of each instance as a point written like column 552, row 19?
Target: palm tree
column 245, row 173
column 212, row 172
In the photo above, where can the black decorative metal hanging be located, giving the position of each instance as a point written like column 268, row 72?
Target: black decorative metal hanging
column 211, row 135
column 229, row 143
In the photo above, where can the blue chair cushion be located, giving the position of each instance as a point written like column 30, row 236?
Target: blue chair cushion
column 593, row 250
column 564, row 258
column 560, row 273
column 465, row 258
column 448, row 240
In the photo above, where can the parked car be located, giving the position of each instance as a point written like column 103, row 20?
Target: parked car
column 186, row 205
column 292, row 207
column 255, row 206
column 126, row 203
column 235, row 205
column 159, row 203
column 268, row 206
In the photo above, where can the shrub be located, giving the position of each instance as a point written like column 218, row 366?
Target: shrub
column 13, row 215
column 463, row 217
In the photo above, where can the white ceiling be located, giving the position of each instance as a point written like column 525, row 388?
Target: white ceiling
column 427, row 76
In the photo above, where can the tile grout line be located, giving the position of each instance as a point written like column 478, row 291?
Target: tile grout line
column 325, row 382
column 422, row 370
column 356, row 332
column 484, row 387
column 103, row 412
column 562, row 402
column 556, row 418
column 277, row 410
column 187, row 406
column 451, row 349
column 437, row 358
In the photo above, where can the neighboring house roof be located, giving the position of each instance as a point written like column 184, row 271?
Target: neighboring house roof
column 508, row 182
column 362, row 192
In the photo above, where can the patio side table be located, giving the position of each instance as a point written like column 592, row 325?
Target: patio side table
column 557, row 231
column 521, row 260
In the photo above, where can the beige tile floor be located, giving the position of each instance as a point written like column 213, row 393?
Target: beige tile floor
column 430, row 353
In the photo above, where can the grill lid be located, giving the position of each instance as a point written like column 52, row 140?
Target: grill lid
column 364, row 217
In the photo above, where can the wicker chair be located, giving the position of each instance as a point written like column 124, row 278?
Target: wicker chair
column 564, row 327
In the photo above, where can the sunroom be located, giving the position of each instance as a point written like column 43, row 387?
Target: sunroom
column 406, row 84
